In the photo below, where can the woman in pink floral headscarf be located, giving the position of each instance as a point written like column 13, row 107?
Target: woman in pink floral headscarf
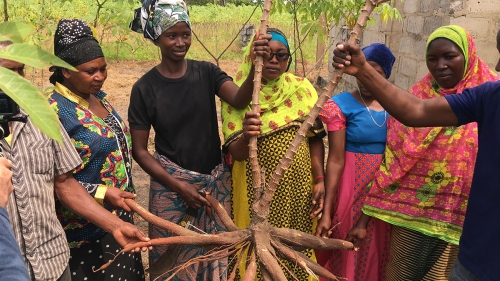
column 423, row 183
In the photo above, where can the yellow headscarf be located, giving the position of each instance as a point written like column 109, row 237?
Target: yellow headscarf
column 283, row 100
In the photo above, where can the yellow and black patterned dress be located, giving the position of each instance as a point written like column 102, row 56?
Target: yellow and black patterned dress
column 292, row 200
column 284, row 103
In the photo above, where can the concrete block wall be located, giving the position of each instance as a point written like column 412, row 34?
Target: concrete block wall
column 407, row 38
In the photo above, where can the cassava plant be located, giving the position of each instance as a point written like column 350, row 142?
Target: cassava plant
column 260, row 245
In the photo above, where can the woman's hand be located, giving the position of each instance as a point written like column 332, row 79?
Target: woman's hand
column 251, row 125
column 358, row 232
column 115, row 197
column 127, row 234
column 318, row 197
column 260, row 46
column 356, row 235
column 190, row 195
column 324, row 226
column 349, row 57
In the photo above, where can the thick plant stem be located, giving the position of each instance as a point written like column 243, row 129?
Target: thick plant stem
column 159, row 222
column 263, row 204
column 221, row 212
column 258, row 183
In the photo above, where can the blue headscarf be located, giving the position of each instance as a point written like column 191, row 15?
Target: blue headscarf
column 278, row 37
column 156, row 16
column 379, row 53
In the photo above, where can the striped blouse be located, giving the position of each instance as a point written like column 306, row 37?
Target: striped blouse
column 36, row 160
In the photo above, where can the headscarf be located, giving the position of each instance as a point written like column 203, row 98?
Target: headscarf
column 75, row 44
column 455, row 34
column 282, row 100
column 379, row 53
column 425, row 178
column 156, row 16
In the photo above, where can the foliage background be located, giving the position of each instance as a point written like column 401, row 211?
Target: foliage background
column 215, row 25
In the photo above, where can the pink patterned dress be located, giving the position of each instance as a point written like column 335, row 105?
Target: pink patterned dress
column 365, row 143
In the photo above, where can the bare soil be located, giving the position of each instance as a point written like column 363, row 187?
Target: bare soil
column 121, row 77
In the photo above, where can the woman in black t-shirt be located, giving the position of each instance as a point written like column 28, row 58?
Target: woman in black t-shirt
column 177, row 98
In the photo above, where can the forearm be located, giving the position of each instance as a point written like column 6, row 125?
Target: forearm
column 405, row 107
column 363, row 220
column 76, row 198
column 244, row 95
column 334, row 172
column 399, row 103
column 239, row 149
column 317, row 152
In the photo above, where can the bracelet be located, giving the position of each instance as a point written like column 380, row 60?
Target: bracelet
column 319, row 177
column 100, row 193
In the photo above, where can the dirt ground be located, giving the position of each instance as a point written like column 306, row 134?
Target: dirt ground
column 121, row 77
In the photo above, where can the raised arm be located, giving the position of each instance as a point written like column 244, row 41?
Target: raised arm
column 403, row 106
column 240, row 97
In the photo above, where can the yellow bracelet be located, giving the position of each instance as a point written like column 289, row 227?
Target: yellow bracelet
column 100, row 193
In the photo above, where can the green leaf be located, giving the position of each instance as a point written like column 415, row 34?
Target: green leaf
column 15, row 31
column 31, row 100
column 32, row 56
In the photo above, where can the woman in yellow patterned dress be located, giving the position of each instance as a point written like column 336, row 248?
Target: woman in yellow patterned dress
column 285, row 101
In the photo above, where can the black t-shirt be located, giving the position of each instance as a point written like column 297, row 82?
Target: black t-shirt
column 183, row 114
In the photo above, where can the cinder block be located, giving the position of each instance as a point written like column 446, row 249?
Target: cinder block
column 375, row 24
column 415, row 24
column 419, row 49
column 443, row 6
column 408, row 66
column 422, row 70
column 373, row 37
column 431, row 23
column 488, row 6
column 402, row 81
column 426, row 6
column 406, row 45
column 479, row 27
column 456, row 6
column 487, row 51
column 411, row 6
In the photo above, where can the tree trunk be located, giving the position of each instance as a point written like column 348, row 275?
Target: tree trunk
column 5, row 11
column 320, row 49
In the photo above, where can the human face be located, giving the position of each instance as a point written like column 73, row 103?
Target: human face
column 497, row 68
column 15, row 66
column 379, row 69
column 273, row 68
column 174, row 42
column 89, row 78
column 445, row 62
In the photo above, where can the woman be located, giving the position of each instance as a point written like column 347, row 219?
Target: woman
column 177, row 98
column 103, row 142
column 423, row 183
column 285, row 100
column 357, row 130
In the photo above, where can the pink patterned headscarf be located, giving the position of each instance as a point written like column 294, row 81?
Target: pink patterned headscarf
column 425, row 178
